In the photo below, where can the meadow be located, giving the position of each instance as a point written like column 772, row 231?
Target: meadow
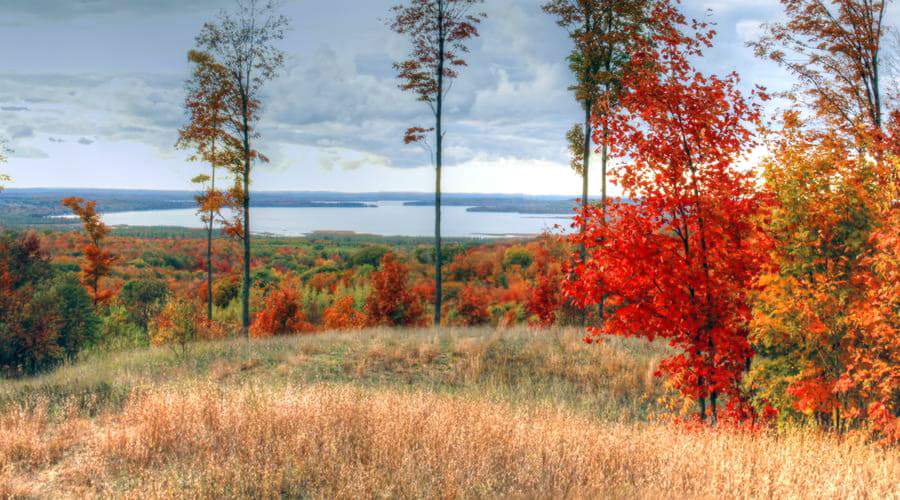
column 420, row 413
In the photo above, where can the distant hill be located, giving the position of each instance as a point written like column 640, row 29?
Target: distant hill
column 33, row 204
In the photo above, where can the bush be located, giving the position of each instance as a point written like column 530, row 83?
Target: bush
column 472, row 306
column 341, row 315
column 370, row 254
column 177, row 325
column 225, row 291
column 118, row 333
column 282, row 313
column 392, row 303
column 44, row 320
column 517, row 256
column 144, row 299
column 78, row 324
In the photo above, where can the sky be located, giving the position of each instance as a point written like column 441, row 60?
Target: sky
column 91, row 95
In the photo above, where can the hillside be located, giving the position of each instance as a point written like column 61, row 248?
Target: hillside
column 400, row 413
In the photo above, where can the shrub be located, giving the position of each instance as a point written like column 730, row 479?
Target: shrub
column 177, row 325
column 472, row 306
column 342, row 315
column 144, row 299
column 517, row 256
column 282, row 313
column 392, row 303
column 78, row 324
column 370, row 254
column 44, row 320
column 226, row 291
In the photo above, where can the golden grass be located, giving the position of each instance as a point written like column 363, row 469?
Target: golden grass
column 339, row 441
column 520, row 366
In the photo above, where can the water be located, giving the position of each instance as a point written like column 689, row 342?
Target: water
column 388, row 218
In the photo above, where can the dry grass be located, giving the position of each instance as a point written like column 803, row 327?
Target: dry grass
column 391, row 413
column 337, row 441
column 613, row 381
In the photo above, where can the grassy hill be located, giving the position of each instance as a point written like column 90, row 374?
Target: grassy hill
column 388, row 413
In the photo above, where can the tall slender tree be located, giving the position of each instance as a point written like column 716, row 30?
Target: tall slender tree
column 98, row 261
column 210, row 103
column 244, row 43
column 438, row 31
column 602, row 32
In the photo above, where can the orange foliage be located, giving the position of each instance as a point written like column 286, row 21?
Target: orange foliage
column 471, row 305
column 341, row 315
column 98, row 261
column 392, row 302
column 282, row 313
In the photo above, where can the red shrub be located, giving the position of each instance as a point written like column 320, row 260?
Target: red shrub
column 341, row 315
column 392, row 302
column 472, row 306
column 282, row 314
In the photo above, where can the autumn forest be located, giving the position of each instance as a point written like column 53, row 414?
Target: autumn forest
column 721, row 320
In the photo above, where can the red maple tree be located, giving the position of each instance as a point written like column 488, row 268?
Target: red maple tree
column 677, row 261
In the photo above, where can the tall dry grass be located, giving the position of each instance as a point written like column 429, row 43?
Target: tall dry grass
column 337, row 441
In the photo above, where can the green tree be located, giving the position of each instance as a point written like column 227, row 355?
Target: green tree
column 78, row 324
column 143, row 299
column 44, row 320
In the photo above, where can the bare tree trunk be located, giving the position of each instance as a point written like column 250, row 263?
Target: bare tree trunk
column 702, row 404
column 438, row 258
column 209, row 235
column 585, row 170
column 245, row 295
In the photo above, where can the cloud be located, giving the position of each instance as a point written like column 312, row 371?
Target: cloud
column 20, row 131
column 54, row 10
column 748, row 30
column 141, row 107
column 28, row 152
column 85, row 141
column 13, row 108
column 56, row 139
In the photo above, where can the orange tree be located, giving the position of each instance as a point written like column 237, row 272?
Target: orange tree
column 98, row 260
column 392, row 302
column 824, row 320
column 677, row 262
column 210, row 103
column 282, row 313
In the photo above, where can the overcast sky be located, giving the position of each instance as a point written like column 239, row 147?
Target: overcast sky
column 91, row 93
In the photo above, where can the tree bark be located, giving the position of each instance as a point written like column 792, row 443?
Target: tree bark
column 438, row 258
column 585, row 170
column 245, row 295
column 209, row 234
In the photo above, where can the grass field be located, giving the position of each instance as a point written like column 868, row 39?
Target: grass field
column 387, row 413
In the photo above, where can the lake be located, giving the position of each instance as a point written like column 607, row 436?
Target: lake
column 386, row 218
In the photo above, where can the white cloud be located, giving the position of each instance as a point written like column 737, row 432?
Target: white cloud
column 748, row 29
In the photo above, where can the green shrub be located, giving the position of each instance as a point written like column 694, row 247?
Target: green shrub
column 143, row 299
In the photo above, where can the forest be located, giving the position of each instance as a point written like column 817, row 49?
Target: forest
column 728, row 325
